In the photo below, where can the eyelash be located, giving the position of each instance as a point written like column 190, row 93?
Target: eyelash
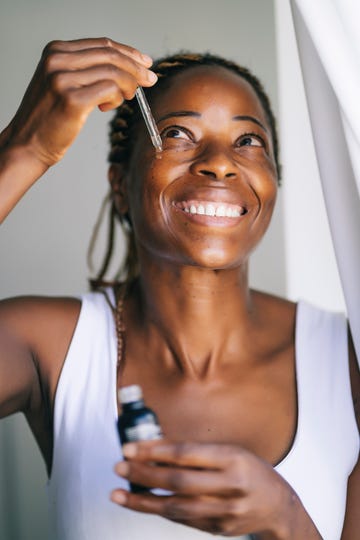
column 252, row 135
column 175, row 127
column 240, row 139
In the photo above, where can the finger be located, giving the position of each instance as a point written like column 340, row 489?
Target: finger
column 74, row 62
column 186, row 454
column 90, row 43
column 180, row 480
column 61, row 82
column 179, row 508
column 105, row 94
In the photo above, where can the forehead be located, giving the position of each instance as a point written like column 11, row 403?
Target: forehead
column 203, row 86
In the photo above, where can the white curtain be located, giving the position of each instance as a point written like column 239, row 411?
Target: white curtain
column 328, row 37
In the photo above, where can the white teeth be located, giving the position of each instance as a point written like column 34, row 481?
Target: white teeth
column 221, row 211
column 210, row 210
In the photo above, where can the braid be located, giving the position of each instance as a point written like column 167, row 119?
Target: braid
column 125, row 120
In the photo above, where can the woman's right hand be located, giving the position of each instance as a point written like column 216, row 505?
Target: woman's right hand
column 73, row 78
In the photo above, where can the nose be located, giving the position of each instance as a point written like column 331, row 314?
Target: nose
column 215, row 162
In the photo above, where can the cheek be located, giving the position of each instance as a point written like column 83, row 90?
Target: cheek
column 149, row 181
column 265, row 181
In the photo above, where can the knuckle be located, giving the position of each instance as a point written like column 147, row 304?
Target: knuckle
column 71, row 99
column 114, row 73
column 114, row 91
column 56, row 82
column 106, row 42
column 237, row 480
column 128, row 93
column 50, row 61
column 224, row 527
column 177, row 481
column 182, row 449
column 51, row 46
column 227, row 528
column 172, row 511
column 233, row 507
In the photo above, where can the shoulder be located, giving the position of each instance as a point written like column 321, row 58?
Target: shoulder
column 40, row 326
column 276, row 318
column 277, row 305
column 29, row 316
column 274, row 310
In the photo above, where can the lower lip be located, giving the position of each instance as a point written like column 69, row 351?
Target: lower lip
column 203, row 219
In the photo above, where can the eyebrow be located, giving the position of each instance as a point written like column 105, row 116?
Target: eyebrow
column 179, row 113
column 198, row 115
column 250, row 119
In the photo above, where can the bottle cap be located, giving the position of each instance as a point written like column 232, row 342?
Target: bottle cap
column 128, row 394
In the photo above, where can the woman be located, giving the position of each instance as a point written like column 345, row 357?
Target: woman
column 253, row 392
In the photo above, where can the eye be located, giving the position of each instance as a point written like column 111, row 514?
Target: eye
column 176, row 132
column 250, row 139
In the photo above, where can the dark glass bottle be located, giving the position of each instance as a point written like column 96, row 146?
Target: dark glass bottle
column 136, row 421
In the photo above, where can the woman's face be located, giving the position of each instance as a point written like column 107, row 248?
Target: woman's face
column 207, row 198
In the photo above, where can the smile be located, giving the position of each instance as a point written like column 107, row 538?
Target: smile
column 211, row 208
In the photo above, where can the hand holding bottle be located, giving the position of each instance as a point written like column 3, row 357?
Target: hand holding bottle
column 219, row 488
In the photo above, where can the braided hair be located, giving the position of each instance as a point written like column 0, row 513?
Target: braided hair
column 122, row 129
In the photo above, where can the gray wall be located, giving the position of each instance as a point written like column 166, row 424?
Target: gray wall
column 43, row 242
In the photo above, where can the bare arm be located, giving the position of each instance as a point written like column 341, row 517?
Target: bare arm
column 35, row 334
column 72, row 79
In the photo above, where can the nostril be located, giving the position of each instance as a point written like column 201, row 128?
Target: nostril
column 230, row 175
column 205, row 172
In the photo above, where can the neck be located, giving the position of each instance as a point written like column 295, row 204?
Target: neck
column 194, row 314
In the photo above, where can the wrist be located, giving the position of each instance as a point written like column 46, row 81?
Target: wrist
column 19, row 169
column 291, row 523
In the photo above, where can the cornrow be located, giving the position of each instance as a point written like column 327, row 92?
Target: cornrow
column 122, row 128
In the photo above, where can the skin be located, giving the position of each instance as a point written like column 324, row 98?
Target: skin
column 180, row 343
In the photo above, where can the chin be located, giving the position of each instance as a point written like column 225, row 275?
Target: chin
column 213, row 260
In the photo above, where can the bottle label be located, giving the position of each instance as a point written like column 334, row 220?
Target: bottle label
column 143, row 432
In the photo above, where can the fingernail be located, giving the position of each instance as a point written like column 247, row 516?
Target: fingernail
column 119, row 497
column 129, row 450
column 151, row 76
column 122, row 468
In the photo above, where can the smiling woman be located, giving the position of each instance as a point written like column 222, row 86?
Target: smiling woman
column 178, row 134
column 253, row 445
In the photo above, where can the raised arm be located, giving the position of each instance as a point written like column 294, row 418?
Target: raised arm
column 72, row 78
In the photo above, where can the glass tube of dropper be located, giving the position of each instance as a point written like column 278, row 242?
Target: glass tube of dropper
column 149, row 119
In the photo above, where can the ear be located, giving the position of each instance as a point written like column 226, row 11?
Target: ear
column 117, row 182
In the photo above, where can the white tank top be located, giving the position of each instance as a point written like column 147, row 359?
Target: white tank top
column 86, row 444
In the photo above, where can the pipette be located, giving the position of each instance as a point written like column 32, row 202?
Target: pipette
column 149, row 119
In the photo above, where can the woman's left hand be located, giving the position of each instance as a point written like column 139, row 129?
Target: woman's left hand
column 219, row 488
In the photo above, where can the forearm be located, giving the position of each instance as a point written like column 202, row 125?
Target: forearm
column 19, row 170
